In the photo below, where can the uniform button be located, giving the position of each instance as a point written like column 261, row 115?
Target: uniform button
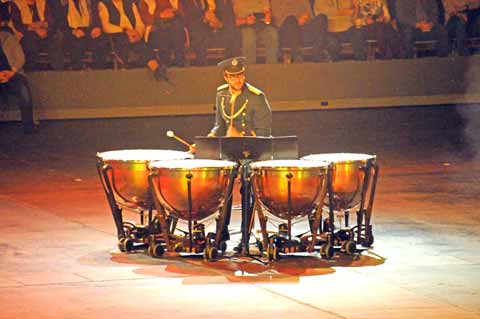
column 243, row 124
column 244, row 114
column 243, row 132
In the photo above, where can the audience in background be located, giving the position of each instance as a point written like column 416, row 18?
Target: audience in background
column 165, row 29
column 13, row 82
column 419, row 20
column 225, row 34
column 341, row 29
column 199, row 21
column 456, row 19
column 82, row 31
column 36, row 28
column 299, row 28
column 473, row 22
column 121, row 20
column 373, row 17
column 254, row 18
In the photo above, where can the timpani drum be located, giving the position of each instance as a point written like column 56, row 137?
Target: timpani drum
column 128, row 171
column 191, row 189
column 289, row 188
column 349, row 171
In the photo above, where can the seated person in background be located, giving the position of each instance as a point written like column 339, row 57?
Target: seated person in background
column 83, row 31
column 196, row 14
column 12, row 80
column 298, row 27
column 254, row 18
column 473, row 21
column 456, row 20
column 221, row 19
column 374, row 17
column 121, row 20
column 418, row 20
column 341, row 29
column 210, row 23
column 35, row 27
column 165, row 29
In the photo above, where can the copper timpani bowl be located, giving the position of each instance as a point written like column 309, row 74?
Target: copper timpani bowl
column 348, row 175
column 206, row 179
column 128, row 171
column 289, row 188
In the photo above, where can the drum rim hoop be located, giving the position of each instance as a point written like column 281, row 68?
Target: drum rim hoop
column 104, row 155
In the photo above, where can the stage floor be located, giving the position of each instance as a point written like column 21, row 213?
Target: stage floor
column 58, row 254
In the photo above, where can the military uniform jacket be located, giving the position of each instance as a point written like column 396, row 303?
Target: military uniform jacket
column 251, row 112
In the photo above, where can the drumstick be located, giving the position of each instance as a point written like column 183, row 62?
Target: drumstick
column 171, row 134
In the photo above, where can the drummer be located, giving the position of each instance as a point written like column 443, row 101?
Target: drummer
column 241, row 110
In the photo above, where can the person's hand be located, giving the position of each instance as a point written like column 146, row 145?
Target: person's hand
column 210, row 134
column 167, row 13
column 42, row 33
column 303, row 20
column 34, row 26
column 78, row 33
column 95, row 33
column 3, row 77
column 394, row 25
column 250, row 20
column 19, row 35
column 133, row 36
column 240, row 21
column 427, row 27
column 380, row 19
column 211, row 19
column 268, row 16
column 358, row 23
column 6, row 75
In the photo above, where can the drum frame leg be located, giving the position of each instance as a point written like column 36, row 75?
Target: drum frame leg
column 105, row 179
column 161, row 213
column 247, row 205
column 222, row 218
column 364, row 214
column 262, row 220
column 318, row 213
column 331, row 215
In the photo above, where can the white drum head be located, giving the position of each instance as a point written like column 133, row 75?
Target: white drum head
column 144, row 155
column 192, row 164
column 339, row 157
column 288, row 163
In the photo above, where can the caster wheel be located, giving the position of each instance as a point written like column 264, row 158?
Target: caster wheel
column 156, row 250
column 222, row 246
column 350, row 247
column 126, row 245
column 210, row 253
column 272, row 253
column 120, row 245
column 329, row 251
column 368, row 241
column 178, row 248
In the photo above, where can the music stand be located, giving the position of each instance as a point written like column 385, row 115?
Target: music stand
column 245, row 150
column 258, row 148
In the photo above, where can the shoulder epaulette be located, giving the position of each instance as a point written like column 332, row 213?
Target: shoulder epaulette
column 222, row 87
column 254, row 89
